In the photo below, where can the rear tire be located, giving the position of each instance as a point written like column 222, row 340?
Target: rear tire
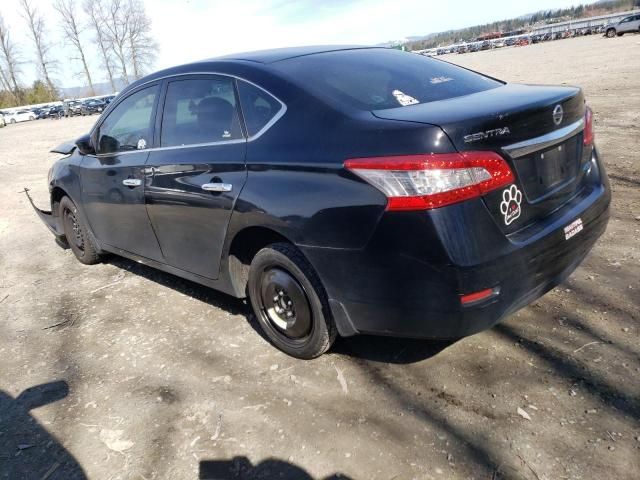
column 611, row 33
column 289, row 302
column 78, row 237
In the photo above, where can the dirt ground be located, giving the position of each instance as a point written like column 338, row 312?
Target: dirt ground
column 136, row 374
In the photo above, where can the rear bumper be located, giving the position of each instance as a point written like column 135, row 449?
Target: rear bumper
column 409, row 279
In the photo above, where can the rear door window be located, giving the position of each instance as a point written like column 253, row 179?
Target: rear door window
column 378, row 79
column 258, row 107
column 200, row 110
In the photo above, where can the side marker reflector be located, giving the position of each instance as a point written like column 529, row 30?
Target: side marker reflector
column 478, row 296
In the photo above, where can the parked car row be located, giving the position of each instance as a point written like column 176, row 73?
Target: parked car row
column 626, row 25
column 68, row 108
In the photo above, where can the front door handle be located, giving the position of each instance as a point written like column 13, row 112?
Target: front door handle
column 217, row 187
column 132, row 182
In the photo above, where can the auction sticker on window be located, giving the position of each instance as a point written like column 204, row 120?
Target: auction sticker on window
column 573, row 229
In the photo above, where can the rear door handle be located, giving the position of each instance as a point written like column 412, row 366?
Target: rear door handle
column 132, row 182
column 217, row 187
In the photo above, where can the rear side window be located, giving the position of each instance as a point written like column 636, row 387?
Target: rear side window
column 378, row 79
column 258, row 107
column 199, row 111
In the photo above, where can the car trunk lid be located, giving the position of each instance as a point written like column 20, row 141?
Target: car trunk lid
column 537, row 129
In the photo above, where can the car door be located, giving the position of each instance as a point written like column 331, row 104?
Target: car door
column 196, row 174
column 113, row 179
column 626, row 25
column 635, row 24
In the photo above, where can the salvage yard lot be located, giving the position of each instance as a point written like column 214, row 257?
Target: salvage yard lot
column 157, row 377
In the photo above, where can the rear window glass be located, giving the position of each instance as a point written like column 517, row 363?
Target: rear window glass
column 379, row 79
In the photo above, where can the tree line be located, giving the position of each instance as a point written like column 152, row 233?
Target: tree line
column 117, row 32
column 471, row 33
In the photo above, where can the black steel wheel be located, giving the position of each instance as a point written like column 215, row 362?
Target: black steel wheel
column 77, row 235
column 289, row 302
column 611, row 33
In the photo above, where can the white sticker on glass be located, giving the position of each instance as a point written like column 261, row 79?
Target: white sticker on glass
column 436, row 80
column 404, row 99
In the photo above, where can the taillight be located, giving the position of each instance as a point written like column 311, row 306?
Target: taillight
column 588, row 127
column 422, row 182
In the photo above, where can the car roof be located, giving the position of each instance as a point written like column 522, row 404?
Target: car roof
column 257, row 58
column 278, row 54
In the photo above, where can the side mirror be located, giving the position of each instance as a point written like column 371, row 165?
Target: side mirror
column 85, row 145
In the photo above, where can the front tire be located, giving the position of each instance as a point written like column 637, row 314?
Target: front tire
column 289, row 302
column 77, row 234
column 611, row 33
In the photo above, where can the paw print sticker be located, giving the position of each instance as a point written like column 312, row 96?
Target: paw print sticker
column 510, row 205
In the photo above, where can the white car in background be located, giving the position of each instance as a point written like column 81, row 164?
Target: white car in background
column 19, row 116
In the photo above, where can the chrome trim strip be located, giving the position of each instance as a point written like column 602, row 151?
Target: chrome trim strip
column 526, row 147
column 174, row 147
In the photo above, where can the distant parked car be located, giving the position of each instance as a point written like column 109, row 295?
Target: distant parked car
column 42, row 112
column 626, row 25
column 19, row 116
column 89, row 107
column 56, row 112
column 72, row 107
column 107, row 100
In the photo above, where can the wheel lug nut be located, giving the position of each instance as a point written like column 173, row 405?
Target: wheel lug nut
column 289, row 303
column 289, row 314
column 275, row 299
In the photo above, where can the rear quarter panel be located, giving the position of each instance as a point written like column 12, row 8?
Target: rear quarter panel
column 298, row 186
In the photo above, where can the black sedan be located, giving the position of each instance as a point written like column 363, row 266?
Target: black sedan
column 89, row 107
column 56, row 112
column 343, row 190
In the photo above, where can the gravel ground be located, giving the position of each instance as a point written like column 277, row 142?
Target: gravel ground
column 117, row 371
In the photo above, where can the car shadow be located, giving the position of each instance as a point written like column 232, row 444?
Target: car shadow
column 365, row 347
column 27, row 449
column 241, row 468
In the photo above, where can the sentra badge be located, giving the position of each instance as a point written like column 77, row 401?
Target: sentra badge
column 496, row 132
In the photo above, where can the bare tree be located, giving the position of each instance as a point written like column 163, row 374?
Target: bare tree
column 9, row 55
column 115, row 29
column 94, row 10
column 142, row 48
column 37, row 29
column 4, row 81
column 72, row 30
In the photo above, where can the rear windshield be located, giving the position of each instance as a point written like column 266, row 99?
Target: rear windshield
column 378, row 79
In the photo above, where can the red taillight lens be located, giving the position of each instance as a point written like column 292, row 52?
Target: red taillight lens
column 588, row 127
column 422, row 182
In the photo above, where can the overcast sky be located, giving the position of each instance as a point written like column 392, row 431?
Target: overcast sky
column 188, row 30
